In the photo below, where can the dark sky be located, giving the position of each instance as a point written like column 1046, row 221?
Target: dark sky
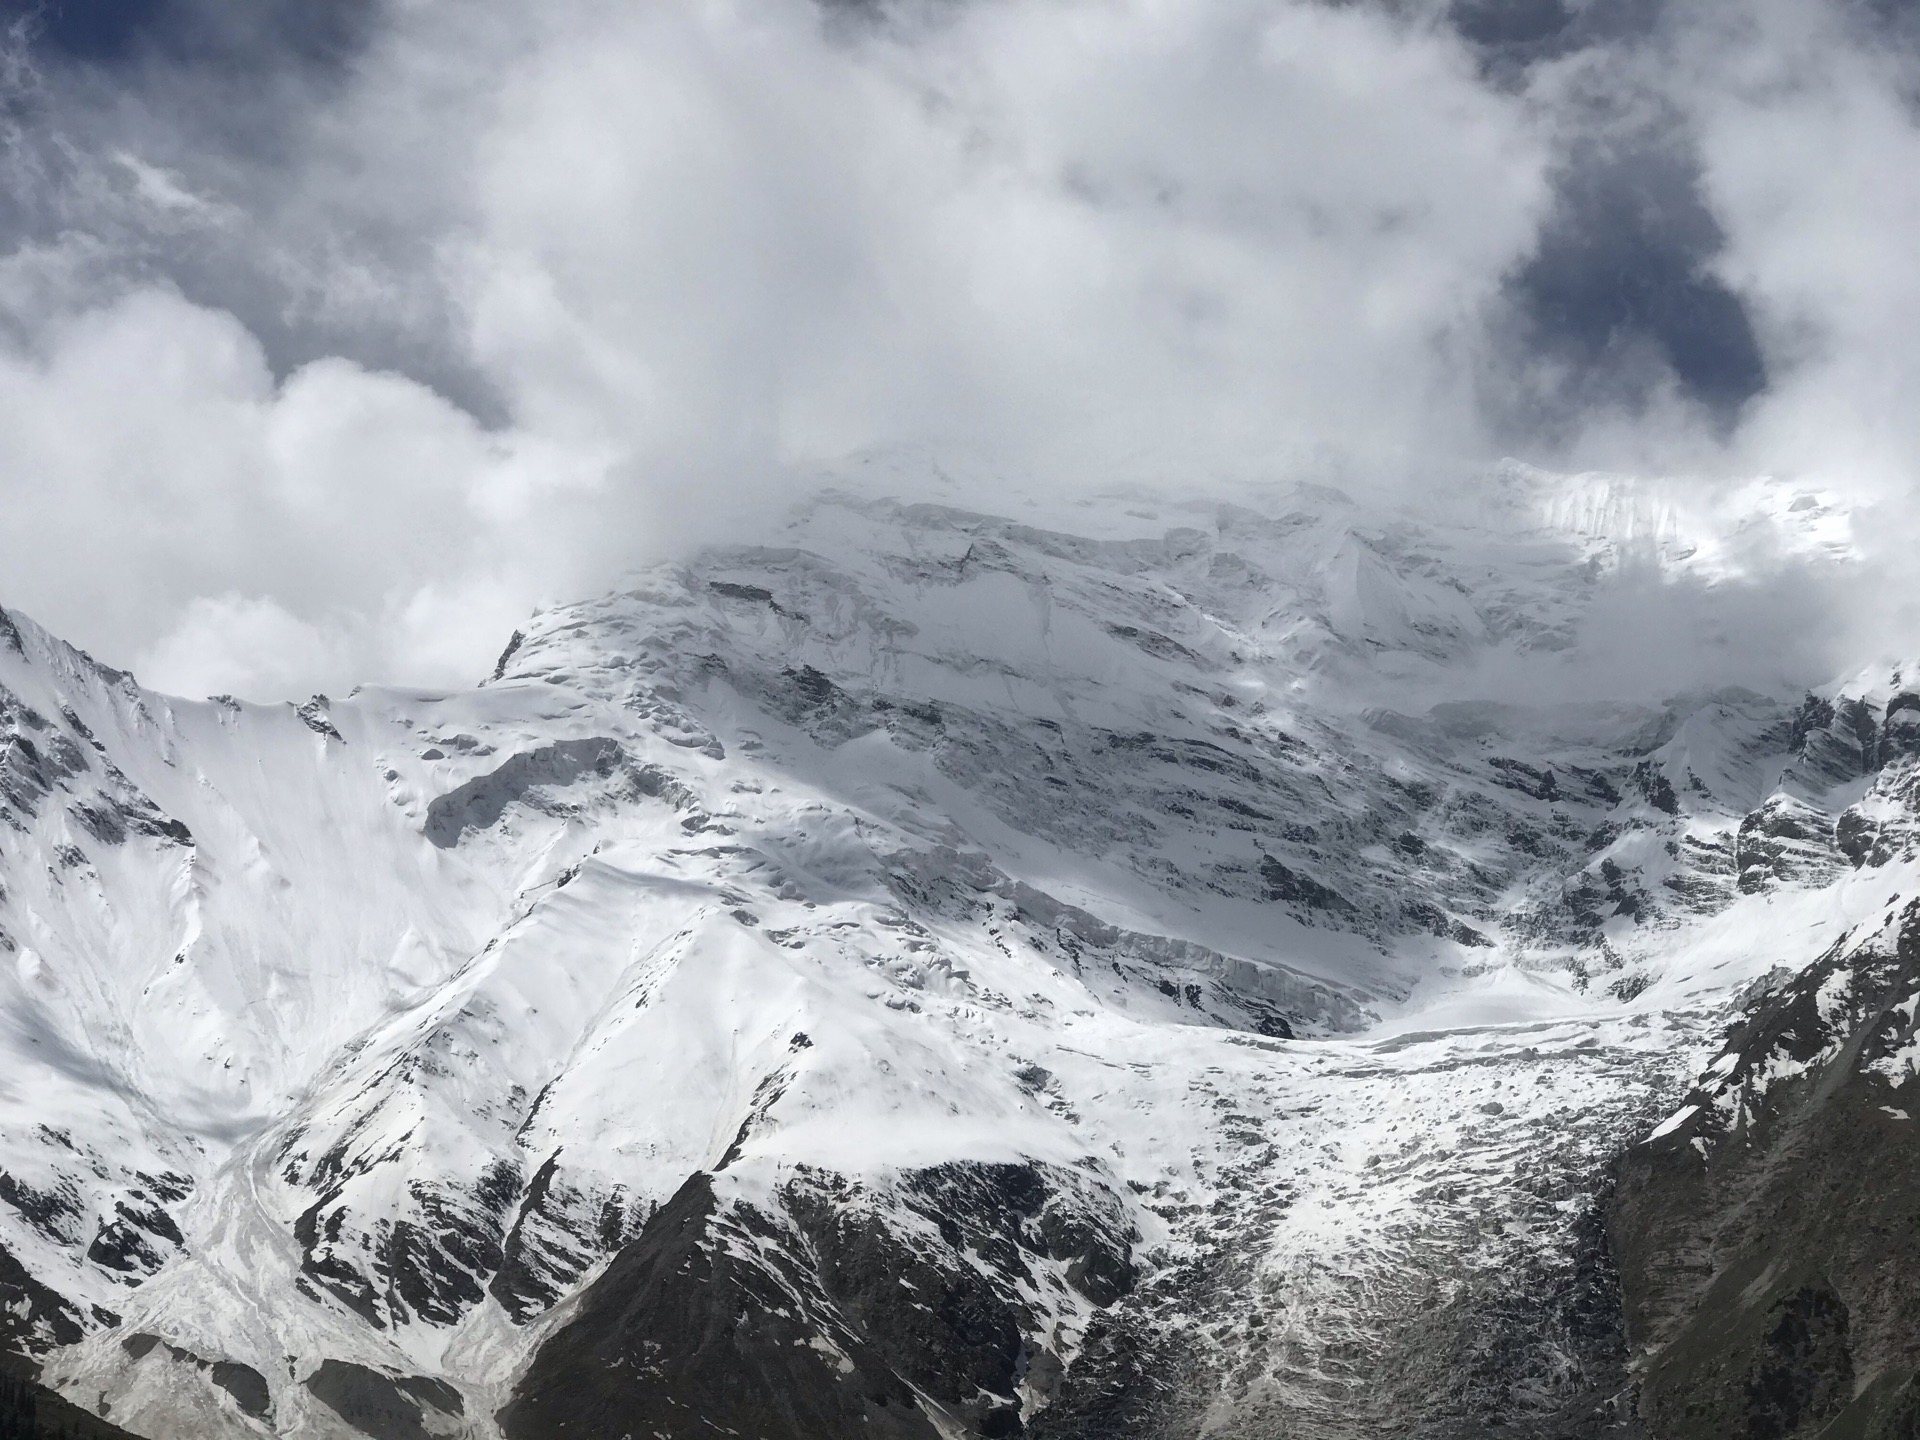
column 201, row 34
column 1622, row 268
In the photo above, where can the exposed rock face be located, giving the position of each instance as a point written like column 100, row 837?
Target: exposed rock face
column 31, row 1411
column 246, row 1385
column 697, row 1322
column 35, row 1313
column 387, row 1407
column 1785, row 839
column 527, row 777
column 828, row 1313
column 1767, row 1237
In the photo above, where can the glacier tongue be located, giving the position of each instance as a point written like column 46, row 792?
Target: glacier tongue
column 1086, row 978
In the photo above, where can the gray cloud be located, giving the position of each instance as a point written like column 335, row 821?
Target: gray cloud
column 328, row 345
column 1619, row 294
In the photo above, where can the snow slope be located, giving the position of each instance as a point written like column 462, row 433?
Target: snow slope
column 1126, row 929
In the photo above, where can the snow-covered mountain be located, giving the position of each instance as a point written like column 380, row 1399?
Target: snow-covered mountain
column 1142, row 970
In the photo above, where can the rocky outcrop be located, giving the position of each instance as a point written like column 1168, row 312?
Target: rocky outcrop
column 33, row 1315
column 694, row 1324
column 845, row 1310
column 430, row 1259
column 244, row 1385
column 533, row 777
column 30, row 1410
column 387, row 1407
column 1784, row 840
column 1766, row 1234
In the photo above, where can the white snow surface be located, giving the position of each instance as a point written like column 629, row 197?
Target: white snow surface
column 915, row 836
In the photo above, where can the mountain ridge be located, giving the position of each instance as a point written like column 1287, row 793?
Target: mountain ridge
column 1042, row 981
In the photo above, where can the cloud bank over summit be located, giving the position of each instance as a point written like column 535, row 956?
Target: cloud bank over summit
column 329, row 346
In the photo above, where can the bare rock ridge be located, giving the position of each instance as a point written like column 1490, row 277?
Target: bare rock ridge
column 1107, row 974
column 798, row 1326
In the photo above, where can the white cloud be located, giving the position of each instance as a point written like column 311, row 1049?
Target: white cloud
column 156, row 473
column 670, row 255
column 1202, row 228
column 235, row 644
column 1813, row 161
column 695, row 246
